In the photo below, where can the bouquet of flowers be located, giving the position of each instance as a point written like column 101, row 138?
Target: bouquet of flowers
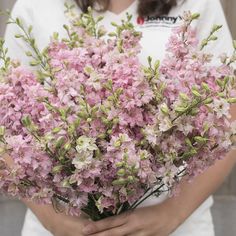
column 90, row 129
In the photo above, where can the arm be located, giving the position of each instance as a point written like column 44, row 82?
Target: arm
column 58, row 224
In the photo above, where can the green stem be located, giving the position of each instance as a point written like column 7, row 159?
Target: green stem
column 149, row 195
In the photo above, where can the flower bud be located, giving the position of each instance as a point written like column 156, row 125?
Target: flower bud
column 180, row 109
column 56, row 130
column 67, row 146
column 119, row 164
column 28, row 53
column 110, row 98
column 200, row 139
column 102, row 136
column 216, row 27
column 184, row 96
column 165, row 109
column 117, row 143
column 66, row 183
column 231, row 100
column 101, row 32
column 194, row 112
column 116, row 121
column 83, row 115
column 204, row 43
column 126, row 156
column 188, row 142
column 234, row 44
column 196, row 93
column 105, row 121
column 119, row 91
column 109, row 131
column 2, row 131
column 26, row 121
column 35, row 63
column 213, row 38
column 143, row 142
column 18, row 36
column 208, row 101
column 206, row 87
column 131, row 179
column 89, row 120
column 195, row 16
column 189, row 154
column 57, row 169
column 121, row 172
column 2, row 150
column 118, row 182
column 61, row 158
column 88, row 70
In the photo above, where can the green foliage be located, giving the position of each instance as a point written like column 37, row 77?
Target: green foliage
column 211, row 37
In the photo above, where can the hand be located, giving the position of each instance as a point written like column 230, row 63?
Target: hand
column 63, row 225
column 58, row 224
column 158, row 220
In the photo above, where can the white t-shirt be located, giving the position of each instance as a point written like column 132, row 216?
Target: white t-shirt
column 47, row 16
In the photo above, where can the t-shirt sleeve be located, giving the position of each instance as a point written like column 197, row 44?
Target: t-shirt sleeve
column 213, row 14
column 17, row 46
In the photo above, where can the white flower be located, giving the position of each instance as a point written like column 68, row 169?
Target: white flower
column 226, row 144
column 85, row 144
column 144, row 154
column 95, row 81
column 233, row 127
column 151, row 134
column 168, row 173
column 85, row 148
column 185, row 128
column 83, row 160
column 221, row 107
column 165, row 124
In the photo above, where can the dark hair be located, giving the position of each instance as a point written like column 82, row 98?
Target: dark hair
column 145, row 8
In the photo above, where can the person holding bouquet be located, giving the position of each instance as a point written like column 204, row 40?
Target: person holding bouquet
column 186, row 214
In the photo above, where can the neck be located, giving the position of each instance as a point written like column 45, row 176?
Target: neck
column 119, row 6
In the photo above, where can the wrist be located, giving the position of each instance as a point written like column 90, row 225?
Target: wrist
column 174, row 216
column 44, row 213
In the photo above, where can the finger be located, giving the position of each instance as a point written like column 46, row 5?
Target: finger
column 103, row 225
column 119, row 231
column 137, row 233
